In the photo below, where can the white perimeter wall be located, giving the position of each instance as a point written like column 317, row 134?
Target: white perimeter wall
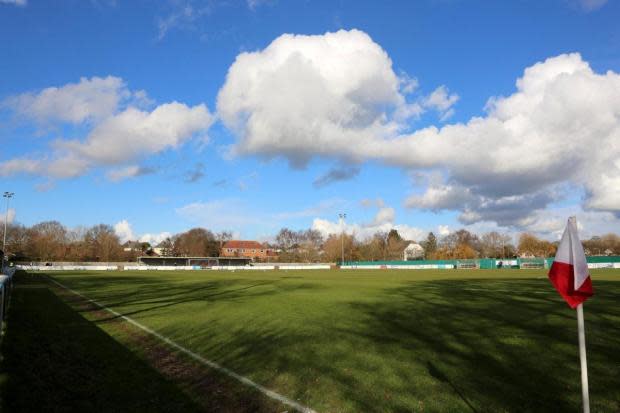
column 169, row 267
column 254, row 268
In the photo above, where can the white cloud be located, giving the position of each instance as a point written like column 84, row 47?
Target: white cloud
column 408, row 84
column 15, row 2
column 219, row 215
column 118, row 131
column 133, row 133
column 305, row 96
column 8, row 215
column 363, row 231
column 591, row 5
column 384, row 215
column 383, row 222
column 155, row 239
column 549, row 133
column 438, row 197
column 68, row 166
column 551, row 222
column 325, row 206
column 442, row 101
column 443, row 230
column 20, row 166
column 337, row 96
column 116, row 175
column 124, row 231
column 185, row 15
column 88, row 100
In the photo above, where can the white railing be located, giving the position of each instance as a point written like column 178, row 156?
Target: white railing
column 6, row 287
column 261, row 267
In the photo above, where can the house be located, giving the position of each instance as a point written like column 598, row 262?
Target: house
column 131, row 246
column 247, row 249
column 413, row 251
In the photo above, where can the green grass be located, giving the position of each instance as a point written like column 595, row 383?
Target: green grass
column 54, row 360
column 385, row 341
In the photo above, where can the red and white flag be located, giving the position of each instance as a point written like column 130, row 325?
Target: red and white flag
column 569, row 272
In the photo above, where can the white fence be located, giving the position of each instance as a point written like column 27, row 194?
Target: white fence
column 6, row 286
column 252, row 267
column 67, row 267
column 399, row 267
column 451, row 266
column 170, row 267
column 604, row 265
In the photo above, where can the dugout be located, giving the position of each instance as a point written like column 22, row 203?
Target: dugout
column 194, row 261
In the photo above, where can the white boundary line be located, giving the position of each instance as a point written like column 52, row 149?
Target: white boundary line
column 269, row 393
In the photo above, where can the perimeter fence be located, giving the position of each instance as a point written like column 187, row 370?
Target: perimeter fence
column 6, row 288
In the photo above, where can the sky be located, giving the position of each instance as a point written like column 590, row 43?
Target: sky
column 253, row 115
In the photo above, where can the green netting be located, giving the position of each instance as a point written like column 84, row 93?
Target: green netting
column 466, row 264
column 484, row 263
column 412, row 263
column 599, row 259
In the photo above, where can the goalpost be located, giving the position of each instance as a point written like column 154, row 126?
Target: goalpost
column 532, row 263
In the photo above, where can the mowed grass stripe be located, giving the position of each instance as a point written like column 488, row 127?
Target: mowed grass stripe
column 382, row 340
column 267, row 392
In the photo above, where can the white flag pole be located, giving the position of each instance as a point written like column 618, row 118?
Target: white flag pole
column 582, row 357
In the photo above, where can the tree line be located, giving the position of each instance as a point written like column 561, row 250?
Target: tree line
column 52, row 241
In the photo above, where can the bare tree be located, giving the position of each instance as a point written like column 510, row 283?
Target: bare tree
column 102, row 242
column 47, row 241
column 529, row 244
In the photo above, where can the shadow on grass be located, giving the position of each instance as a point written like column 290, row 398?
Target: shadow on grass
column 501, row 345
column 56, row 360
column 449, row 345
column 142, row 294
column 459, row 346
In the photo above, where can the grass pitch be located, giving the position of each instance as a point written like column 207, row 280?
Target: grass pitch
column 380, row 340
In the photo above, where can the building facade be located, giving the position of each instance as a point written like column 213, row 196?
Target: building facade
column 247, row 249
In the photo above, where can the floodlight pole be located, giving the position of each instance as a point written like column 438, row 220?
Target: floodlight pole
column 342, row 217
column 8, row 196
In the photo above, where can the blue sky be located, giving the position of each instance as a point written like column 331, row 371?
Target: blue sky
column 426, row 115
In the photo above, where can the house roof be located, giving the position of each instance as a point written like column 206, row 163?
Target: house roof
column 414, row 246
column 244, row 244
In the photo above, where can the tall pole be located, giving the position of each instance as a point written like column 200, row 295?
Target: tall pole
column 582, row 358
column 342, row 217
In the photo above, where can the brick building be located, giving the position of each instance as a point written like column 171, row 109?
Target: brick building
column 247, row 249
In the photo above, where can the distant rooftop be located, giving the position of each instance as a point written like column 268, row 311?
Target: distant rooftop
column 244, row 245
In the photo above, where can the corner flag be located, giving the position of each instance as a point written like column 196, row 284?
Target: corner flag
column 569, row 272
column 569, row 275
